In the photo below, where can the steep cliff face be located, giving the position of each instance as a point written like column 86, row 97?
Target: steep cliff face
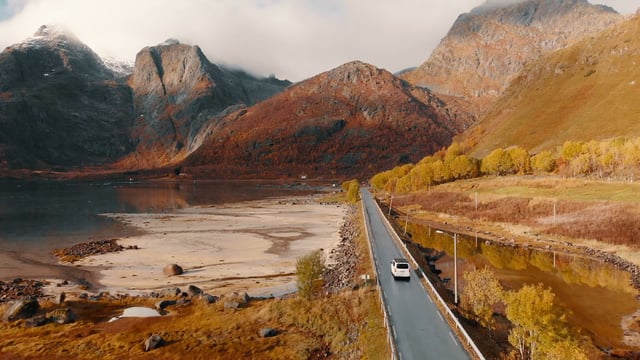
column 56, row 104
column 354, row 119
column 175, row 91
column 487, row 47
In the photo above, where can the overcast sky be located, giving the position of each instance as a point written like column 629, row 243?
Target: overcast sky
column 292, row 39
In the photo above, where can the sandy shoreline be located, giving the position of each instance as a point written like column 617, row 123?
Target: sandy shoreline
column 250, row 246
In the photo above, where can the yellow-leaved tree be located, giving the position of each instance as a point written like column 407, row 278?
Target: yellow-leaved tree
column 352, row 187
column 309, row 270
column 481, row 295
column 540, row 330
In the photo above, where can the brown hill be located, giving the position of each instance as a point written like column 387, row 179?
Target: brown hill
column 588, row 91
column 487, row 47
column 355, row 119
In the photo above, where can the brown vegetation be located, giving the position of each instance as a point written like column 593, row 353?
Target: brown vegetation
column 305, row 329
column 611, row 223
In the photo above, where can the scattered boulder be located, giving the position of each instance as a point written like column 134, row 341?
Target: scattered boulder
column 19, row 288
column 267, row 332
column 231, row 305
column 59, row 299
column 22, row 309
column 36, row 321
column 154, row 341
column 172, row 270
column 162, row 304
column 62, row 316
column 171, row 292
column 194, row 291
column 209, row 299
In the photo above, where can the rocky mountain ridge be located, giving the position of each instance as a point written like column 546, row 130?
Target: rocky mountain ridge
column 349, row 120
column 175, row 91
column 63, row 107
column 487, row 47
column 56, row 99
column 585, row 92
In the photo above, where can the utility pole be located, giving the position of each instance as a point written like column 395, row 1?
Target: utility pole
column 455, row 263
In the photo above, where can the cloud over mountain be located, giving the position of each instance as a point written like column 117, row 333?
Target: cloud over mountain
column 289, row 38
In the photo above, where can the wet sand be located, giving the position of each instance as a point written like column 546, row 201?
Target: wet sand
column 250, row 246
column 31, row 266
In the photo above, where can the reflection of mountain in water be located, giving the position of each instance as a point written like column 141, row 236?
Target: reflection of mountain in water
column 38, row 217
column 597, row 294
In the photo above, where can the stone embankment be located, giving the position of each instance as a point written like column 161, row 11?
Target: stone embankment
column 342, row 271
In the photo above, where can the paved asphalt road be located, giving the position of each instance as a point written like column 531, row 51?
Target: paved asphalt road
column 420, row 331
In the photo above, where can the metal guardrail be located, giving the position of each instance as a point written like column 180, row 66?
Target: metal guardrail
column 390, row 338
column 433, row 291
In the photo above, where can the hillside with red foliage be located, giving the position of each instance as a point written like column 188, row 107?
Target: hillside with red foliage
column 352, row 120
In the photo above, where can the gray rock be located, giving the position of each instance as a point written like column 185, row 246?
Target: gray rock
column 62, row 316
column 268, row 332
column 172, row 270
column 194, row 291
column 153, row 342
column 231, row 305
column 162, row 304
column 210, row 299
column 36, row 321
column 170, row 292
column 59, row 299
column 22, row 309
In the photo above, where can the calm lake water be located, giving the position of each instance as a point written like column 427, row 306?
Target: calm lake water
column 598, row 298
column 37, row 217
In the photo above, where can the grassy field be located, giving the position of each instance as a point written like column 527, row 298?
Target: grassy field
column 601, row 215
column 345, row 325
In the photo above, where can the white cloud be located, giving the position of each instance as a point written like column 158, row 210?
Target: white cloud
column 292, row 39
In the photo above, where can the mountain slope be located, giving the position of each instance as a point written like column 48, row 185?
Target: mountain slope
column 354, row 119
column 56, row 104
column 487, row 47
column 586, row 92
column 175, row 91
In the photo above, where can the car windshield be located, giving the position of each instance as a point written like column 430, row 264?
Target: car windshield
column 402, row 265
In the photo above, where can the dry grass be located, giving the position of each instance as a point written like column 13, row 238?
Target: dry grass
column 584, row 92
column 341, row 326
column 584, row 210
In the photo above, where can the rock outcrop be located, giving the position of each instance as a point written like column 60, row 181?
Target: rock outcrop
column 60, row 106
column 176, row 90
column 487, row 47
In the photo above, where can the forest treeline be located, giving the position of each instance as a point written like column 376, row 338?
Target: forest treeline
column 619, row 157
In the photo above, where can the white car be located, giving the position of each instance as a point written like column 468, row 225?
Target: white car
column 400, row 268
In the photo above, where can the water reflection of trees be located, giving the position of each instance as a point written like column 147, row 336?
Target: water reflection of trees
column 570, row 269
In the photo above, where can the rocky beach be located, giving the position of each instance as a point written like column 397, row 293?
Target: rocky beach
column 241, row 247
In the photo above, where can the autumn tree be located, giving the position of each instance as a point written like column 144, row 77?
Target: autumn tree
column 540, row 330
column 543, row 162
column 309, row 270
column 520, row 158
column 352, row 187
column 481, row 295
column 498, row 162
